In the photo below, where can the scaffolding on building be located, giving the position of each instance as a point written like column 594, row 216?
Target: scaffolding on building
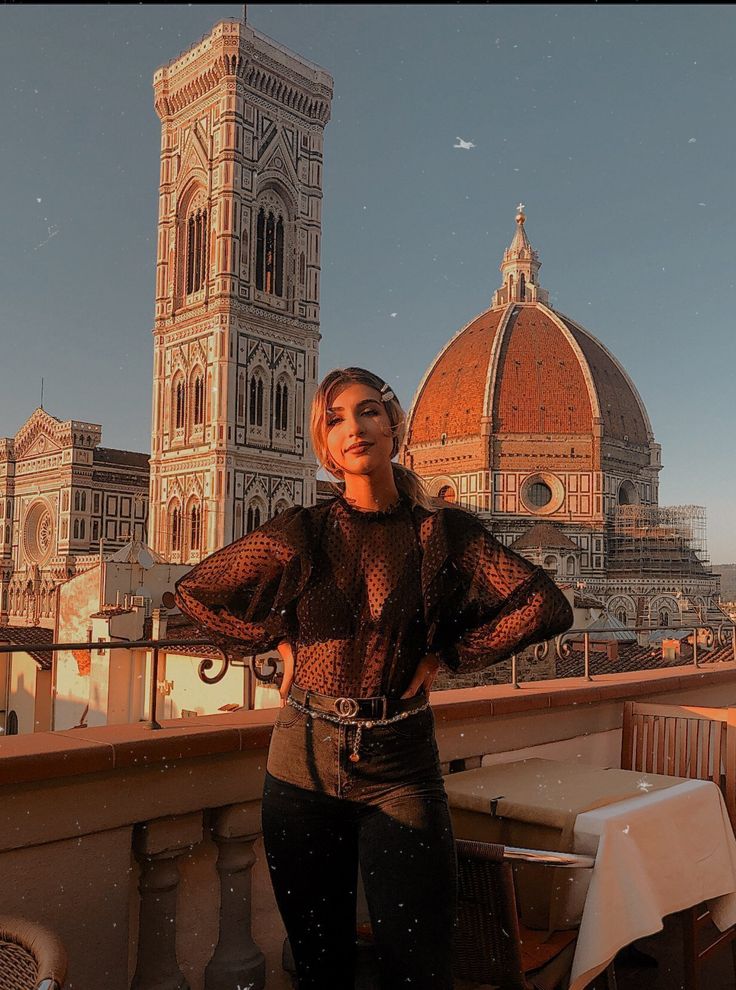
column 652, row 539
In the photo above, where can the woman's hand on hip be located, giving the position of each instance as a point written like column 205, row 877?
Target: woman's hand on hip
column 424, row 676
column 287, row 655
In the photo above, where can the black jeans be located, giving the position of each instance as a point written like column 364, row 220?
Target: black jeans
column 322, row 815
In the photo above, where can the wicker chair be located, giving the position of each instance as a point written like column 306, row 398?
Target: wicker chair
column 31, row 956
column 491, row 945
column 698, row 743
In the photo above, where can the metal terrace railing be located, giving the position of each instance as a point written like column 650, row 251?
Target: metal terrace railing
column 704, row 639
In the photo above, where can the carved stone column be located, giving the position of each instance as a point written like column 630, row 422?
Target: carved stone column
column 237, row 960
column 157, row 845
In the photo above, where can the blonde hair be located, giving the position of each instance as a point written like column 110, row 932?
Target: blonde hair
column 407, row 481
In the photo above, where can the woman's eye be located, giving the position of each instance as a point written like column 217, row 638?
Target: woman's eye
column 369, row 412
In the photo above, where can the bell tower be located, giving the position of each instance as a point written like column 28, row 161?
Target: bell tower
column 236, row 333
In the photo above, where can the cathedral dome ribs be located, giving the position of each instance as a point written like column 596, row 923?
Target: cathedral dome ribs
column 525, row 414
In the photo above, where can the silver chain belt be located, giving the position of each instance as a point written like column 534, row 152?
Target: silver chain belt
column 361, row 723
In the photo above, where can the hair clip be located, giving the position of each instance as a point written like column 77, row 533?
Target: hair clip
column 386, row 393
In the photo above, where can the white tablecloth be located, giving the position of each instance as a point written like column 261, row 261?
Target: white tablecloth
column 670, row 851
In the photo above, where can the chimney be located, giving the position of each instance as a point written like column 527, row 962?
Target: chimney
column 670, row 649
column 158, row 623
column 612, row 650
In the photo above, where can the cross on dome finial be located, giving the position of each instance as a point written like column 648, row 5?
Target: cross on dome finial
column 521, row 207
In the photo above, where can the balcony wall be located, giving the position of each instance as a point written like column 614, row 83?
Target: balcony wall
column 81, row 809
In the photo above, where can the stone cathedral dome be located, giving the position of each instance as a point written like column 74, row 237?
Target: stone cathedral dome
column 521, row 370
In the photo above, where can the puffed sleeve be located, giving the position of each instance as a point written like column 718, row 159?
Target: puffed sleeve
column 486, row 601
column 245, row 595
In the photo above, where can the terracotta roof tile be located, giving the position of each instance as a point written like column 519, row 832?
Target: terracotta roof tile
column 622, row 415
column 127, row 458
column 24, row 636
column 541, row 387
column 541, row 384
column 543, row 536
column 630, row 658
column 451, row 400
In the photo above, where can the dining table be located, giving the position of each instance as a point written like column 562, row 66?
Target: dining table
column 660, row 844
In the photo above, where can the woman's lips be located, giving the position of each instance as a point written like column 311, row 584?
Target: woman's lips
column 359, row 450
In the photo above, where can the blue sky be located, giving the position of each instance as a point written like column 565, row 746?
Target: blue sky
column 611, row 123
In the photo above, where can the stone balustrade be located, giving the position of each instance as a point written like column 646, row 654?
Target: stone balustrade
column 141, row 848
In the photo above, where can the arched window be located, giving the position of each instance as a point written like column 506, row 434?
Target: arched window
column 84, row 501
column 12, row 729
column 76, row 501
column 256, row 401
column 570, row 565
column 195, row 527
column 522, row 287
column 76, row 529
column 664, row 618
column 627, row 494
column 180, row 397
column 550, row 564
column 196, row 250
column 241, row 397
column 95, row 531
column 279, row 266
column 282, row 406
column 254, row 517
column 270, row 252
column 622, row 617
column 198, row 400
column 176, row 528
column 81, row 529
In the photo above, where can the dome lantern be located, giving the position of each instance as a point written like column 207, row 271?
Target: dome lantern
column 520, row 268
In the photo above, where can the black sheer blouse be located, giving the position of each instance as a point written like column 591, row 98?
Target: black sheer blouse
column 363, row 595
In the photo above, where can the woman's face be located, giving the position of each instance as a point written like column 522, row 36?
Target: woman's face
column 357, row 414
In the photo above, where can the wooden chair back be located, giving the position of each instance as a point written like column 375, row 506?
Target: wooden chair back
column 490, row 944
column 682, row 741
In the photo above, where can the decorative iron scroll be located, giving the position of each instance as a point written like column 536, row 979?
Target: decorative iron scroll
column 563, row 646
column 208, row 663
column 541, row 651
column 267, row 678
column 726, row 633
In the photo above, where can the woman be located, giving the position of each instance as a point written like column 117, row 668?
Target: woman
column 364, row 596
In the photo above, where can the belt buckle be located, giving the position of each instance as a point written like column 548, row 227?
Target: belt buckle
column 346, row 707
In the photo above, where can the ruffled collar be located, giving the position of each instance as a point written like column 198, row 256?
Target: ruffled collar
column 372, row 514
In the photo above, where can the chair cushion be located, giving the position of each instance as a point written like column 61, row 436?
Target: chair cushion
column 538, row 948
